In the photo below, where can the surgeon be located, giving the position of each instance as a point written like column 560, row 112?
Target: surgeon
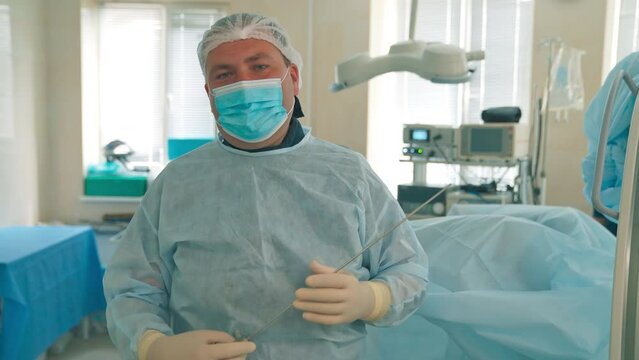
column 231, row 233
column 617, row 138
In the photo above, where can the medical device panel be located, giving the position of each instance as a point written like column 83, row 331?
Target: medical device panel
column 498, row 144
column 435, row 143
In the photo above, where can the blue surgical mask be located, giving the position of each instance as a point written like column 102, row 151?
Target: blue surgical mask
column 251, row 111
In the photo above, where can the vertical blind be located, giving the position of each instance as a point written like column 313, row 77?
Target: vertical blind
column 426, row 102
column 503, row 29
column 189, row 112
column 628, row 30
column 6, row 75
column 151, row 87
column 131, row 86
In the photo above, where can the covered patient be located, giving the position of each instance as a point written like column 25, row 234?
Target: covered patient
column 510, row 282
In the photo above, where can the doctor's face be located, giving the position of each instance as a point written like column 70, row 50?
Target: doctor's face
column 249, row 59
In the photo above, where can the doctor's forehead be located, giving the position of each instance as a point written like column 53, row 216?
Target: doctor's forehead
column 242, row 51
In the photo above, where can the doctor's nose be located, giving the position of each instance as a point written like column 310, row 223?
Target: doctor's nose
column 244, row 75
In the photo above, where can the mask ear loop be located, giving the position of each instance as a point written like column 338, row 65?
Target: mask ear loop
column 290, row 111
column 288, row 70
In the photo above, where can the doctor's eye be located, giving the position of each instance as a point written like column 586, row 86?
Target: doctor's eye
column 222, row 76
column 260, row 67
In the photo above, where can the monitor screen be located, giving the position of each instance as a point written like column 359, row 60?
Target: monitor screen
column 420, row 134
column 486, row 140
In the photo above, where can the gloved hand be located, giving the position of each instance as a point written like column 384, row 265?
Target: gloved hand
column 332, row 299
column 199, row 345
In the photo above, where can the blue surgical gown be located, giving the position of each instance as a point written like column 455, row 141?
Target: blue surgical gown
column 223, row 238
column 617, row 135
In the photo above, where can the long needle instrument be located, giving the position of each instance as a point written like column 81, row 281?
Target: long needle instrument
column 279, row 314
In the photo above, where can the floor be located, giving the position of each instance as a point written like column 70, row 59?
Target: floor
column 97, row 347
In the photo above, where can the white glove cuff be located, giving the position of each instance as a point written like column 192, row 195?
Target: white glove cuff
column 382, row 300
column 146, row 340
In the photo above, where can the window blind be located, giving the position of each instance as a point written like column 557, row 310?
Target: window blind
column 503, row 29
column 131, row 78
column 149, row 84
column 189, row 112
column 628, row 31
column 426, row 102
column 6, row 75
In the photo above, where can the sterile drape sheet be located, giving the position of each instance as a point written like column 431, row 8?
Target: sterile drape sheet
column 509, row 282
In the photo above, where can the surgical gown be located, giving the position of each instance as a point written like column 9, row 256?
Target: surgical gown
column 224, row 237
column 617, row 135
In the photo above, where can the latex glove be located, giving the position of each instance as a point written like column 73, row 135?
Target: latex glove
column 332, row 299
column 199, row 345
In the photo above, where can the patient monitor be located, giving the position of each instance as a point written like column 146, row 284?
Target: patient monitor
column 500, row 144
column 437, row 143
column 490, row 145
column 477, row 144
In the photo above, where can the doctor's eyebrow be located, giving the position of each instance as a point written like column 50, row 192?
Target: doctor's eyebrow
column 251, row 59
column 257, row 57
column 221, row 67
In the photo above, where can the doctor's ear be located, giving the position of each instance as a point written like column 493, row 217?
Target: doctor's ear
column 295, row 77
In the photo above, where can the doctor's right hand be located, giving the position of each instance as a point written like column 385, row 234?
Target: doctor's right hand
column 194, row 345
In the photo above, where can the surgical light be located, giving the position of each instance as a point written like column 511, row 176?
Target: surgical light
column 437, row 62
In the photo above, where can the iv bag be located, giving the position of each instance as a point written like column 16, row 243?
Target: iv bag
column 566, row 81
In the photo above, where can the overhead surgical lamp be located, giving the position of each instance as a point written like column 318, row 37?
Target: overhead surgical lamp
column 437, row 62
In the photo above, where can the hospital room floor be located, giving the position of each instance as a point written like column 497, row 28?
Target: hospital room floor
column 98, row 346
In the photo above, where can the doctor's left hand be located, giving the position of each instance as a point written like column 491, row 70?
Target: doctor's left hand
column 334, row 298
column 194, row 345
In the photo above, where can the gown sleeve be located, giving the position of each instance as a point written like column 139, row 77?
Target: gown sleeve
column 398, row 260
column 136, row 280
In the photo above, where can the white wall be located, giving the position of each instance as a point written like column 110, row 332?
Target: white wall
column 19, row 166
column 64, row 109
column 581, row 24
column 340, row 30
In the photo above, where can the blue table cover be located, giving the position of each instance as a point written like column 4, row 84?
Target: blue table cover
column 50, row 278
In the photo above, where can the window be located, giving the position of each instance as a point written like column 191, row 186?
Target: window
column 6, row 75
column 145, row 82
column 626, row 33
column 188, row 109
column 502, row 28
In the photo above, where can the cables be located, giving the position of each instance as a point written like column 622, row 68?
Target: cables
column 449, row 162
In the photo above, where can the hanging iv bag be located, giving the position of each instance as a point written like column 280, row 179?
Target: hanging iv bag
column 566, row 81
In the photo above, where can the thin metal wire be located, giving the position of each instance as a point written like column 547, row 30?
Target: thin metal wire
column 372, row 243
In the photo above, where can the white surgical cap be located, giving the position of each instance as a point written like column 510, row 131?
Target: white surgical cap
column 247, row 26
